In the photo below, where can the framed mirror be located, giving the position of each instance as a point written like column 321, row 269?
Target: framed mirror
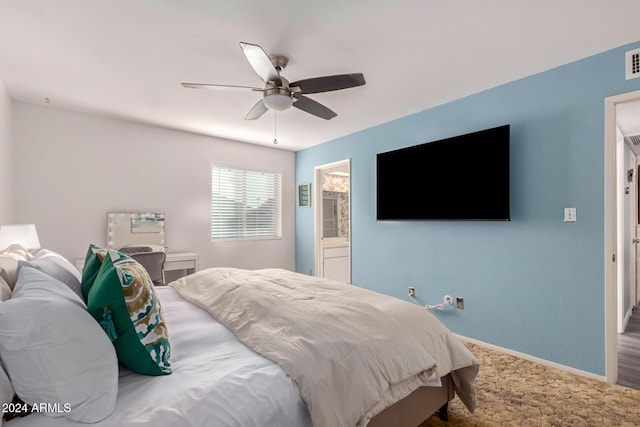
column 136, row 229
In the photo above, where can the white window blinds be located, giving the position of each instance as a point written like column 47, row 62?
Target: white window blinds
column 245, row 204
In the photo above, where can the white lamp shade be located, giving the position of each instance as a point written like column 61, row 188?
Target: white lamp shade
column 24, row 235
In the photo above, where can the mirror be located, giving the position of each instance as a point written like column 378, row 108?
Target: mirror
column 135, row 229
column 332, row 213
column 330, row 218
column 335, row 202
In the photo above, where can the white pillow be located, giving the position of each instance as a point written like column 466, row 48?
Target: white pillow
column 35, row 283
column 47, row 253
column 9, row 263
column 5, row 290
column 18, row 252
column 54, row 351
column 56, row 266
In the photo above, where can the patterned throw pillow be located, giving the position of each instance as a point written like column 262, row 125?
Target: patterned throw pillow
column 122, row 299
column 92, row 263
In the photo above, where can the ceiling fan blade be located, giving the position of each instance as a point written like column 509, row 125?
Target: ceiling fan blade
column 256, row 111
column 329, row 83
column 313, row 107
column 217, row 87
column 261, row 63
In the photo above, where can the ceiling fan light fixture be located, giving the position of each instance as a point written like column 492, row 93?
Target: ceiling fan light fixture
column 278, row 99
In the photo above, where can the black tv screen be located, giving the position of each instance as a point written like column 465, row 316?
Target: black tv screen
column 461, row 178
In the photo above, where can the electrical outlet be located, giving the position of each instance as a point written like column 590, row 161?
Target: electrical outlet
column 412, row 292
column 460, row 303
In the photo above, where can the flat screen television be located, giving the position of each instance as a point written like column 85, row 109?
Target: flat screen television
column 455, row 179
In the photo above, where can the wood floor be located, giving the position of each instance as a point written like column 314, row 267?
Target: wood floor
column 629, row 353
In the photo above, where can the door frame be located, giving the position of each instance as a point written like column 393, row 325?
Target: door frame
column 611, row 220
column 636, row 237
column 318, row 212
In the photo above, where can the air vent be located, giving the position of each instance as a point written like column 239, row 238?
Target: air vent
column 633, row 139
column 633, row 64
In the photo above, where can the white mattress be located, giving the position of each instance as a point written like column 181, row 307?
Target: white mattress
column 216, row 381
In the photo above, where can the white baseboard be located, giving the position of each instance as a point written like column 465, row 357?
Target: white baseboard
column 534, row 359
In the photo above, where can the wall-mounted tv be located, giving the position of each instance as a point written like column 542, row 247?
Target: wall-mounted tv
column 461, row 178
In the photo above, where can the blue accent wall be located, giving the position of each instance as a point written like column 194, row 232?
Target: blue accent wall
column 535, row 284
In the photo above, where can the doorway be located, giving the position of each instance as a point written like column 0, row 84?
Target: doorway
column 333, row 220
column 620, row 253
column 627, row 229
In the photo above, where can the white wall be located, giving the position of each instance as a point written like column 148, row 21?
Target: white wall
column 70, row 169
column 5, row 156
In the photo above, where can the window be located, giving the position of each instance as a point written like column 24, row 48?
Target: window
column 245, row 204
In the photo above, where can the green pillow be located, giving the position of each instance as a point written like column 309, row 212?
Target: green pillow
column 124, row 302
column 92, row 264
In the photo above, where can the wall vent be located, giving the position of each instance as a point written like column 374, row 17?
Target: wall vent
column 633, row 64
column 633, row 139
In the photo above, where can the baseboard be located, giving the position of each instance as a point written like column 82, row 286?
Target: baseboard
column 534, row 359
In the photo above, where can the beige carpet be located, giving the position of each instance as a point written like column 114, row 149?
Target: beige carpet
column 516, row 392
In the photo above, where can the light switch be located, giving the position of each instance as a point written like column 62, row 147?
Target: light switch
column 569, row 214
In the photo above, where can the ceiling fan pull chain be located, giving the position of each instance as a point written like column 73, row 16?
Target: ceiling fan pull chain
column 275, row 125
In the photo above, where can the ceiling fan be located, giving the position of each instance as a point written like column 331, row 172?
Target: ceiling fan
column 278, row 94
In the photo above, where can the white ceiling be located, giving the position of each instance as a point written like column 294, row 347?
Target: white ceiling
column 126, row 59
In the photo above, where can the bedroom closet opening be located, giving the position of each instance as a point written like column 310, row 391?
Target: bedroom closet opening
column 332, row 213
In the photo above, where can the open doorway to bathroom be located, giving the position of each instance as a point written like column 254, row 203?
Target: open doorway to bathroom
column 333, row 220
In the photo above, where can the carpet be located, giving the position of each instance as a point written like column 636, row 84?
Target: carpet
column 511, row 391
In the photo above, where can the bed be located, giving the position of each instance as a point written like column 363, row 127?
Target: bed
column 221, row 374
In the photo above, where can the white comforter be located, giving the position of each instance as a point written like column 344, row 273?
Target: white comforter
column 351, row 351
